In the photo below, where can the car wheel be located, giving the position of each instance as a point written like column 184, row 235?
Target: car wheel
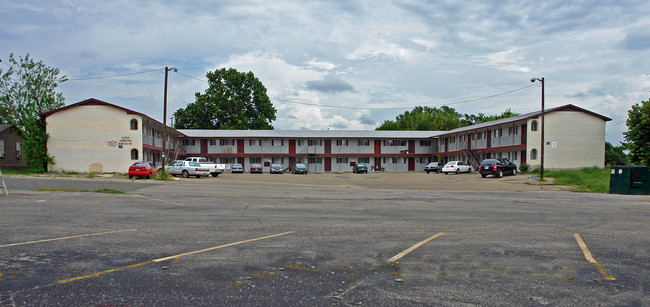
column 514, row 172
column 469, row 170
column 483, row 175
column 130, row 176
column 198, row 176
column 186, row 174
column 427, row 171
column 458, row 171
column 149, row 176
column 215, row 174
column 446, row 173
column 500, row 174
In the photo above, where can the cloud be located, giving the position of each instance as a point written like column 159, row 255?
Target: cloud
column 636, row 41
column 379, row 48
column 330, row 84
column 366, row 119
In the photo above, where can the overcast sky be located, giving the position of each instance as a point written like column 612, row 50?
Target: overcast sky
column 376, row 59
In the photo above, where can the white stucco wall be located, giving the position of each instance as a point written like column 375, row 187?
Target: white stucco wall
column 91, row 135
column 573, row 140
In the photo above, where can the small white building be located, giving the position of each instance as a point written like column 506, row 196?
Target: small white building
column 96, row 136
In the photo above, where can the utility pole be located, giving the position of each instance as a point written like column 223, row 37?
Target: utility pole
column 164, row 132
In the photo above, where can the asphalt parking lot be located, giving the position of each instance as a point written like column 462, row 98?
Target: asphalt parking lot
column 321, row 239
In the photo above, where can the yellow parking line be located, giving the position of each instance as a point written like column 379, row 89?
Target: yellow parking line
column 590, row 257
column 65, row 238
column 172, row 257
column 412, row 248
column 221, row 246
column 160, row 200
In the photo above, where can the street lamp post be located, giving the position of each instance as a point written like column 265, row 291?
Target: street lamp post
column 541, row 166
column 164, row 132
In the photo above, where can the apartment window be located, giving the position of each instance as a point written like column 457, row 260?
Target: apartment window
column 213, row 142
column 516, row 129
column 533, row 126
column 533, row 154
column 388, row 142
column 315, row 160
column 226, row 142
column 187, row 142
column 425, row 143
column 341, row 160
column 452, row 140
column 227, row 160
column 2, row 149
column 256, row 160
column 364, row 142
column 400, row 142
column 313, row 143
column 134, row 154
column 364, row 160
column 134, row 124
column 341, row 142
column 479, row 135
column 277, row 142
column 461, row 138
column 509, row 130
column 252, row 142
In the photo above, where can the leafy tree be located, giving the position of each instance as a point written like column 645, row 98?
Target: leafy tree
column 438, row 119
column 638, row 134
column 615, row 155
column 27, row 89
column 233, row 100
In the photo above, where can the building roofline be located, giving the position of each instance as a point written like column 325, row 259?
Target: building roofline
column 568, row 107
column 97, row 102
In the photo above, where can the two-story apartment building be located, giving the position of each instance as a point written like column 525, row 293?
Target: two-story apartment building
column 96, row 136
column 321, row 150
column 573, row 138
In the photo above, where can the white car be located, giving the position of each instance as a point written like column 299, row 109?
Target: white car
column 187, row 168
column 456, row 167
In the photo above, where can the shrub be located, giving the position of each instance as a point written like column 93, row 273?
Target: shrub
column 524, row 167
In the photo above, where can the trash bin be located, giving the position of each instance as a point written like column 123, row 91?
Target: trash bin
column 629, row 179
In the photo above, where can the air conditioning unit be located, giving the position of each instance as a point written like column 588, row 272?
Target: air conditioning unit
column 2, row 155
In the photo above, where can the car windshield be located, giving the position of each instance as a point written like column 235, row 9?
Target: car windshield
column 237, row 165
column 361, row 165
column 300, row 166
column 451, row 163
column 256, row 165
column 276, row 165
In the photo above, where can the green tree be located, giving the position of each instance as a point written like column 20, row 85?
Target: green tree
column 637, row 136
column 615, row 155
column 27, row 89
column 233, row 100
column 438, row 119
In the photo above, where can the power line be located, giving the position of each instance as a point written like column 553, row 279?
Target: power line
column 114, row 76
column 400, row 108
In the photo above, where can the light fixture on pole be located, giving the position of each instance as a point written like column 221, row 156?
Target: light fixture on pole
column 541, row 166
column 164, row 132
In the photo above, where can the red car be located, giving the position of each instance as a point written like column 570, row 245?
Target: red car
column 142, row 169
column 256, row 168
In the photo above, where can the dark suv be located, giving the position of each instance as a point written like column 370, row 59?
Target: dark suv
column 497, row 167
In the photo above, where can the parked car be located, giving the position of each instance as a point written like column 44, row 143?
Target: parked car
column 497, row 167
column 276, row 168
column 215, row 169
column 237, row 168
column 170, row 164
column 299, row 168
column 456, row 167
column 142, row 169
column 433, row 167
column 256, row 168
column 360, row 168
column 187, row 169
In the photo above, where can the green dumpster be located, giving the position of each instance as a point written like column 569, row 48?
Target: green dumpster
column 629, row 179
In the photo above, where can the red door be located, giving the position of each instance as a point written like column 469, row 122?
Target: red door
column 377, row 163
column 411, row 164
column 411, row 146
column 489, row 139
column 328, row 146
column 204, row 146
column 328, row 164
column 377, row 147
column 523, row 157
column 240, row 146
column 292, row 147
column 523, row 134
column 469, row 141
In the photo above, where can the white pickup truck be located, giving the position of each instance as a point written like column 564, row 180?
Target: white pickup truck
column 215, row 169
